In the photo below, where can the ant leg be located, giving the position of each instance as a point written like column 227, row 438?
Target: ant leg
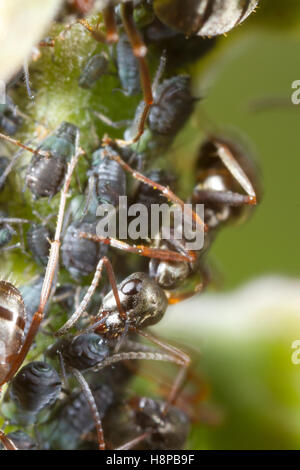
column 96, row 34
column 222, row 197
column 24, row 146
column 93, row 407
column 109, row 19
column 182, row 359
column 235, row 169
column 149, row 252
column 176, row 297
column 140, row 51
column 82, row 307
column 7, row 443
column 162, row 189
column 50, row 269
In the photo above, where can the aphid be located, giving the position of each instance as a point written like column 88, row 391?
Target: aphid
column 96, row 67
column 79, row 256
column 7, row 232
column 36, row 386
column 45, row 174
column 143, row 424
column 128, row 67
column 38, row 240
column 173, row 105
column 203, row 17
column 22, row 441
column 10, row 120
column 48, row 166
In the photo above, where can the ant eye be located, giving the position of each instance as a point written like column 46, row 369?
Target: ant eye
column 132, row 287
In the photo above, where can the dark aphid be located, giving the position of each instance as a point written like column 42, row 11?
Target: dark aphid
column 71, row 423
column 227, row 181
column 173, row 105
column 10, row 120
column 46, row 173
column 128, row 67
column 203, row 17
column 4, row 162
column 36, row 386
column 6, row 233
column 145, row 416
column 143, row 301
column 96, row 67
column 80, row 256
column 83, row 351
column 12, row 323
column 31, row 293
column 22, row 441
column 38, row 237
column 109, row 177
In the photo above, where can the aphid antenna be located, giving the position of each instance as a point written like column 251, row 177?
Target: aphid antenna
column 27, row 80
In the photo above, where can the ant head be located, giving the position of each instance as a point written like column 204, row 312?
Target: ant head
column 142, row 299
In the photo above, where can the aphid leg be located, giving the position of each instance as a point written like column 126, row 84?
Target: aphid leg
column 142, row 250
column 140, row 51
column 24, row 146
column 114, row 124
column 7, row 443
column 235, row 169
column 95, row 33
column 50, row 269
column 164, row 190
column 103, row 262
column 92, row 405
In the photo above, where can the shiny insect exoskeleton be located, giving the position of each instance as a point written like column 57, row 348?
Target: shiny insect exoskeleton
column 173, row 105
column 80, row 256
column 22, row 441
column 203, row 17
column 95, row 68
column 36, row 386
column 81, row 352
column 38, row 240
column 106, row 177
column 142, row 300
column 47, row 169
column 12, row 321
column 10, row 120
column 144, row 417
column 128, row 67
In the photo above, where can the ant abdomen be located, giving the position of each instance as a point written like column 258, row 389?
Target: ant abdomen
column 12, row 324
column 36, row 386
column 45, row 173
